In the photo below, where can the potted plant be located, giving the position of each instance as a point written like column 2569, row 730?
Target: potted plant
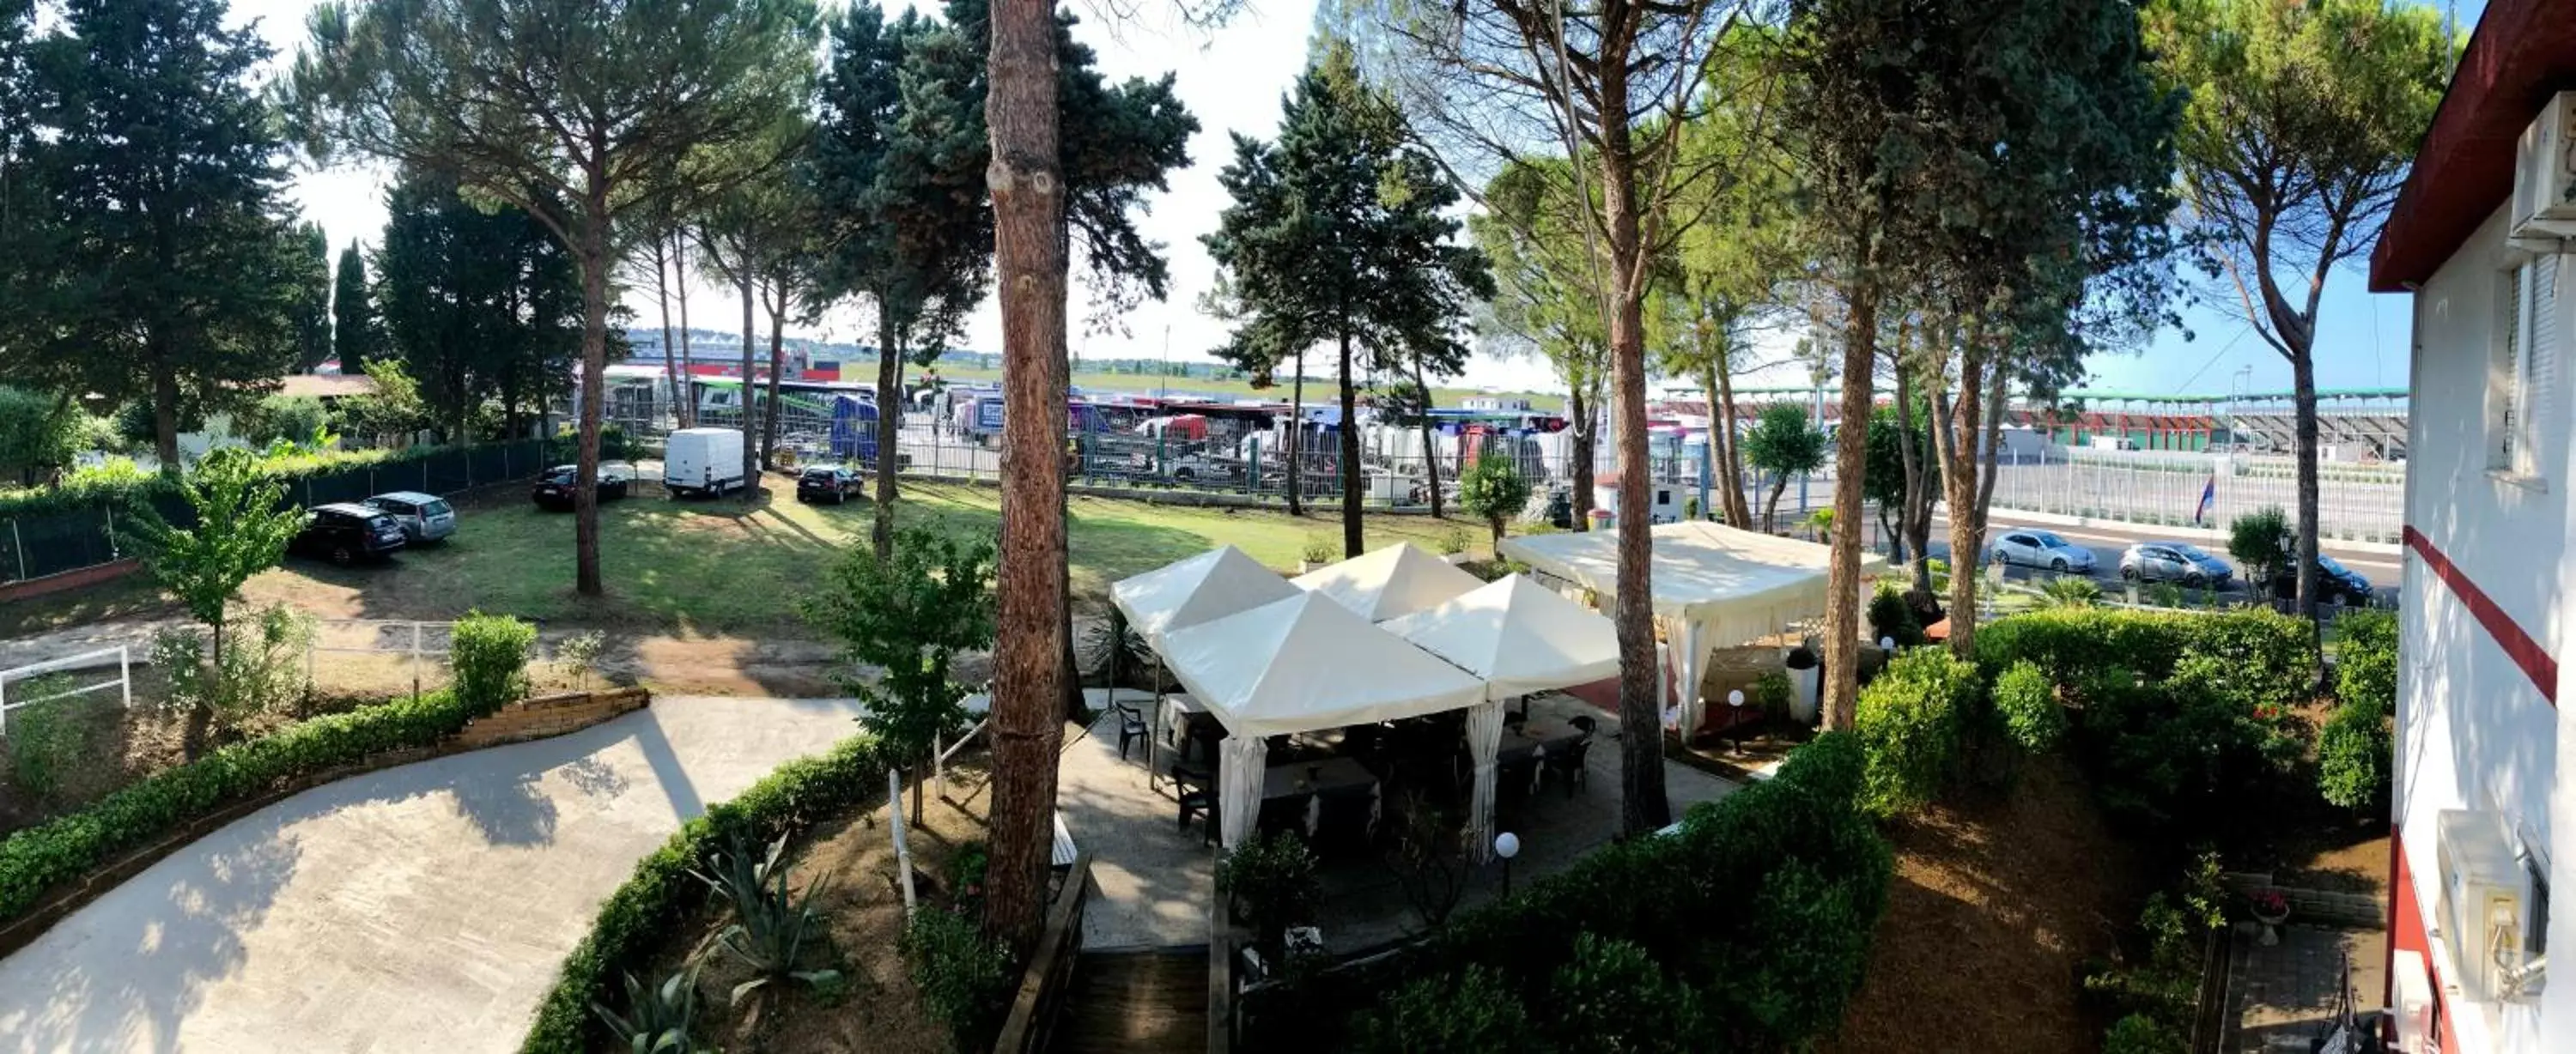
column 1318, row 553
column 1805, row 677
column 2271, row 909
column 1453, row 545
column 1270, row 885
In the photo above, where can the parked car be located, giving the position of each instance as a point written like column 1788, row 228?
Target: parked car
column 832, row 483
column 346, row 532
column 554, row 490
column 424, row 517
column 2042, row 549
column 2174, row 562
column 2336, row 584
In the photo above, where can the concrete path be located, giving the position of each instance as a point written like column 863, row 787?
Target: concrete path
column 420, row 908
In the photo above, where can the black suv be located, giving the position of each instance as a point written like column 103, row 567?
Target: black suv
column 830, row 483
column 345, row 533
column 554, row 490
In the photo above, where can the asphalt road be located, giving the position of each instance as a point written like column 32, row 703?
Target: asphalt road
column 2106, row 544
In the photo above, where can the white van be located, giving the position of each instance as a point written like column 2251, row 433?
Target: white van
column 705, row 461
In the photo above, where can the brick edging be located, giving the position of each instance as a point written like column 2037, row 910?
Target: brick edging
column 540, row 718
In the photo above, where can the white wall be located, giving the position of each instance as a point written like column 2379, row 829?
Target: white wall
column 2474, row 731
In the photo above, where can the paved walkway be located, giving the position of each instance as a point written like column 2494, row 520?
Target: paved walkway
column 419, row 908
column 2280, row 996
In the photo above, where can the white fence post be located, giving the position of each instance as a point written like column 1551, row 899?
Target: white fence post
column 902, row 848
column 125, row 674
column 19, row 544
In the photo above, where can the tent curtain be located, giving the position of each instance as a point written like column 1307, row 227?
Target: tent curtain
column 1484, row 743
column 1242, row 763
column 1690, row 652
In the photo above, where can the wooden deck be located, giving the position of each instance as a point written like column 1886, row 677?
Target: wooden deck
column 1147, row 1002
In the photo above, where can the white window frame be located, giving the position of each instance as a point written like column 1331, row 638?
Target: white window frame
column 2522, row 366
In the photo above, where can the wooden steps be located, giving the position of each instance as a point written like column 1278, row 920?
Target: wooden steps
column 1147, row 1002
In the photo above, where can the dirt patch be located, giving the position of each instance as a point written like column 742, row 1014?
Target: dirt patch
column 1997, row 903
column 875, row 1009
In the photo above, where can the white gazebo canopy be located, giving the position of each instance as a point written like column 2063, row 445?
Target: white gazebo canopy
column 1394, row 581
column 1211, row 585
column 1296, row 665
column 1714, row 586
column 1518, row 635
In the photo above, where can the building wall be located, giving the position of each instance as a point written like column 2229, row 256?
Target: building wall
column 2485, row 588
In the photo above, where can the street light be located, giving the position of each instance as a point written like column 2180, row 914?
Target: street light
column 1507, row 845
column 1735, row 716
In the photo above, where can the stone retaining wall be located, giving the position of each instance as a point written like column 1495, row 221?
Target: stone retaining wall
column 550, row 715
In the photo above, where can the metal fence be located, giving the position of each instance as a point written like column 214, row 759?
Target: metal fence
column 40, row 545
column 2354, row 502
column 399, row 647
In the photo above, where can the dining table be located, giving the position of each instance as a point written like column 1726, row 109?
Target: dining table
column 1318, row 780
column 1531, row 743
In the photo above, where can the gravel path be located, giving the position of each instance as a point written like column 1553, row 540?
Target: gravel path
column 420, row 908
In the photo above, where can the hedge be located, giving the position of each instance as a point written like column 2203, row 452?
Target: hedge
column 2273, row 654
column 39, row 858
column 1766, row 897
column 661, row 896
column 1912, row 722
column 89, row 490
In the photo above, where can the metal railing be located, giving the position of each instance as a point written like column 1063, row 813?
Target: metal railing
column 123, row 682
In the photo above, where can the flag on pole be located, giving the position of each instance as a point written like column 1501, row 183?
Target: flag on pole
column 2208, row 500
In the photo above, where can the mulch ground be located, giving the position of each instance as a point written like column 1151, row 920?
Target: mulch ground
column 1998, row 901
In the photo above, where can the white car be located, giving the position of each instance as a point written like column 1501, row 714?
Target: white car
column 2031, row 548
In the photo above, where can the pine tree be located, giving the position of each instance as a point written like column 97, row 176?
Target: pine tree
column 159, row 153
column 1338, row 234
column 310, row 314
column 458, row 293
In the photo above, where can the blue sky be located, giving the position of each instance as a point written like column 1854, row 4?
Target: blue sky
column 1233, row 79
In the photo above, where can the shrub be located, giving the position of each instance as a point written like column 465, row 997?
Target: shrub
column 1818, row 867
column 2141, row 1034
column 1470, row 1012
column 2027, row 705
column 1453, row 541
column 1317, row 552
column 653, row 1013
column 1773, row 693
column 2171, row 752
column 2069, row 591
column 1614, row 996
column 1891, row 616
column 1910, row 720
column 1271, row 884
column 2164, row 594
column 770, row 922
column 2261, row 541
column 961, row 975
column 490, row 657
column 2366, row 659
column 579, row 652
column 2353, row 753
column 1493, row 490
column 635, row 919
column 2274, row 654
column 262, row 672
column 50, row 739
column 36, row 859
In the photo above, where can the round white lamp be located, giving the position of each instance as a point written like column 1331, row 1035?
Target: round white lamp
column 1735, row 704
column 1887, row 644
column 1507, row 845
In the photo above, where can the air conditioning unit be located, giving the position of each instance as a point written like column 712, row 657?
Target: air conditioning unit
column 2485, row 911
column 2413, row 1009
column 2544, row 177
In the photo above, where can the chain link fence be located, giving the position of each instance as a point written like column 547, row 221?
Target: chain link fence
column 44, row 544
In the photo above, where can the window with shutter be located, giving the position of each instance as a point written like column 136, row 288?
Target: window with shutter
column 2524, row 367
column 2504, row 375
column 2540, row 365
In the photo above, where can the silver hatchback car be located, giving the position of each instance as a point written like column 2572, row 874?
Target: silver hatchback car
column 2033, row 548
column 424, row 517
column 2174, row 562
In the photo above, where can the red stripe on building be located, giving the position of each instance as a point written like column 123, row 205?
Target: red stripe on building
column 2519, row 646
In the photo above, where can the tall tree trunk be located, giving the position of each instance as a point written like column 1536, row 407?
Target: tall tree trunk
column 1913, row 545
column 2303, row 393
column 688, row 370
column 889, row 390
column 1296, row 435
column 777, row 366
column 750, row 421
column 1851, row 469
column 1587, row 436
column 1430, row 442
column 1353, row 480
column 595, row 262
column 1993, row 413
column 1738, row 513
column 1028, row 209
column 670, row 350
column 165, row 407
column 1957, row 438
column 1643, row 805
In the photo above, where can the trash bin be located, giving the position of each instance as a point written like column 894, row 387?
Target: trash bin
column 1604, row 519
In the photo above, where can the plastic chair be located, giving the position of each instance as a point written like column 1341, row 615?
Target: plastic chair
column 1131, row 727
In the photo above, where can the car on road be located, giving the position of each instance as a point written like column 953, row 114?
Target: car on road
column 832, row 483
column 2031, row 548
column 2174, row 562
column 2336, row 584
column 346, row 532
column 554, row 490
column 424, row 517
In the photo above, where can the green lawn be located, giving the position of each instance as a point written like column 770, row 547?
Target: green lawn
column 711, row 567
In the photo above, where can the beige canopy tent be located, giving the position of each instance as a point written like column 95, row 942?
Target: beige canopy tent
column 1297, row 665
column 1394, row 581
column 1714, row 586
column 1211, row 585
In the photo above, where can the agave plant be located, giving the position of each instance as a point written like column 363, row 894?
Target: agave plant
column 655, row 1017
column 770, row 922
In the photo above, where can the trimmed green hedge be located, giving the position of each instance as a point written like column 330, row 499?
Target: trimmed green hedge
column 2271, row 654
column 1787, row 863
column 91, row 490
column 35, row 860
column 660, row 896
column 1913, row 721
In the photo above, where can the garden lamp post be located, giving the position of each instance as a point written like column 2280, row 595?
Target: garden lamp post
column 1735, row 716
column 1507, row 845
